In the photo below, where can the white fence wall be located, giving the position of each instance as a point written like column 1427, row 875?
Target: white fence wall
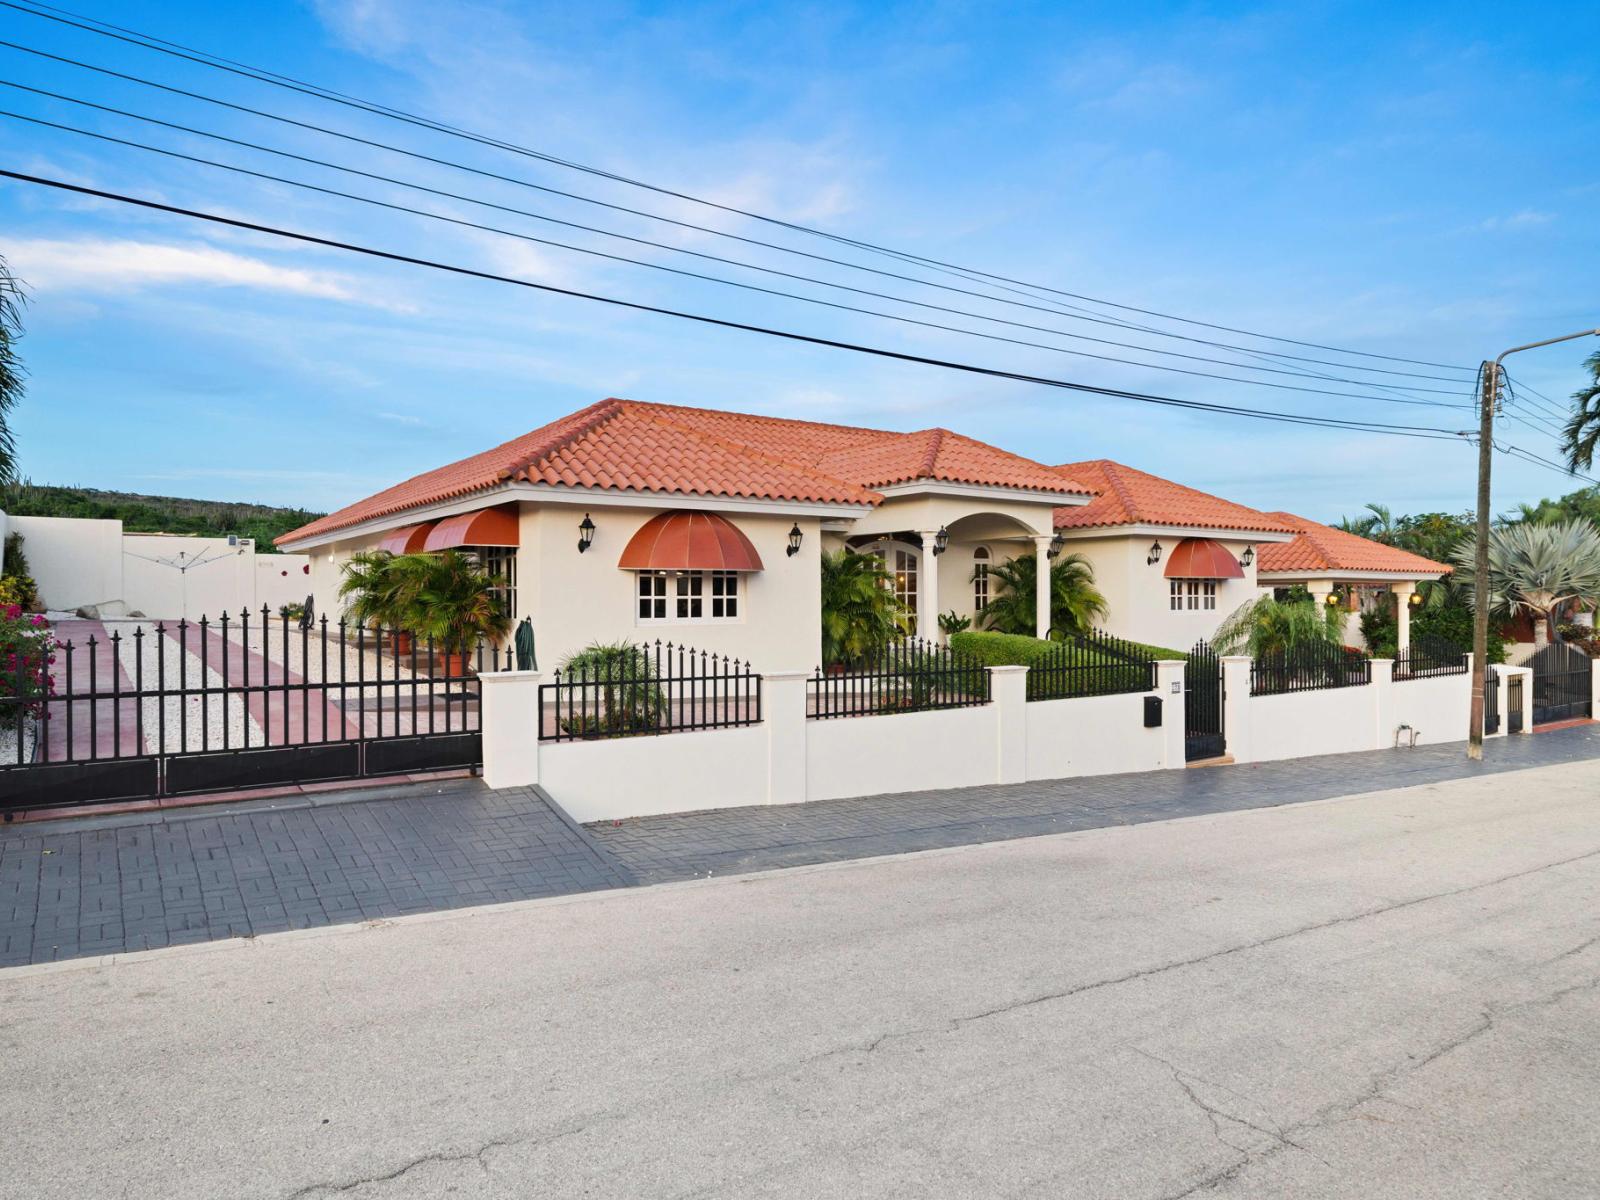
column 790, row 757
column 82, row 563
column 1437, row 709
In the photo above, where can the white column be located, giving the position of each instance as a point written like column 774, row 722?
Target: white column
column 1382, row 689
column 1174, row 702
column 1320, row 589
column 1402, row 603
column 1008, row 695
column 1594, row 690
column 1236, row 705
column 928, row 588
column 1041, row 558
column 509, row 720
column 783, row 712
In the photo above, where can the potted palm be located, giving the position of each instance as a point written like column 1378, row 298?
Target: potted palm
column 374, row 595
column 448, row 599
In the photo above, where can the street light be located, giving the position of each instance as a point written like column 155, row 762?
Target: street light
column 1480, row 552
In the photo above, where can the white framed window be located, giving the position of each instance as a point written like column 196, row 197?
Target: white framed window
column 1192, row 595
column 671, row 596
column 652, row 596
column 980, row 578
column 499, row 563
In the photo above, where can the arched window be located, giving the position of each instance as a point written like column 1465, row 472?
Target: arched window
column 980, row 578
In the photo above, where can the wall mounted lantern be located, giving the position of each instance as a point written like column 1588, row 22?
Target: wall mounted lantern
column 1056, row 545
column 794, row 540
column 585, row 533
column 1248, row 557
column 1155, row 554
column 1333, row 598
column 941, row 541
column 1416, row 599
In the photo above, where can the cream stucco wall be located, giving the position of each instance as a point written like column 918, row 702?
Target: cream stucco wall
column 575, row 599
column 73, row 562
column 78, row 563
column 1138, row 594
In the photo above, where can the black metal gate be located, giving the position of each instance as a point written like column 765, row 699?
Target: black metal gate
column 1491, row 701
column 1203, row 735
column 196, row 707
column 1562, row 684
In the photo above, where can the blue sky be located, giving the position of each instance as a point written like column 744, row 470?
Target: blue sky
column 1417, row 180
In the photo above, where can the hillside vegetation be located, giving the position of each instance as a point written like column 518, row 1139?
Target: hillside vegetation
column 156, row 514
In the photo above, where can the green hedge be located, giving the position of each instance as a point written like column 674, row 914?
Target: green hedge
column 1018, row 650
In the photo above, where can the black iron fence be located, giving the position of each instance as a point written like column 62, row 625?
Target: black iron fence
column 910, row 675
column 1563, row 684
column 1309, row 667
column 1426, row 658
column 1091, row 664
column 626, row 690
column 157, row 708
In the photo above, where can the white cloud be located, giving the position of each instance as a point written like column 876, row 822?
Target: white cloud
column 1526, row 219
column 400, row 418
column 115, row 265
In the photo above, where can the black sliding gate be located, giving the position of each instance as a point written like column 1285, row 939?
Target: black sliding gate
column 153, row 710
column 1562, row 684
column 1203, row 734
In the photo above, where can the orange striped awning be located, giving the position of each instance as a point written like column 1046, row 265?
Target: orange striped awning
column 407, row 540
column 689, row 541
column 1202, row 558
column 485, row 527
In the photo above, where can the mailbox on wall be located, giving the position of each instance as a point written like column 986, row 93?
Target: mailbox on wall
column 1152, row 712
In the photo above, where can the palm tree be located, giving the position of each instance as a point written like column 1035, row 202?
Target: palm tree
column 11, row 374
column 860, row 612
column 1267, row 627
column 1075, row 603
column 1538, row 568
column 372, row 588
column 449, row 599
column 1582, row 432
column 1377, row 524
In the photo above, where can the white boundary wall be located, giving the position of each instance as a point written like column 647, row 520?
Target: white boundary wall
column 79, row 563
column 789, row 758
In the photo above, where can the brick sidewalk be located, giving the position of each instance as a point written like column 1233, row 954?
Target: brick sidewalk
column 135, row 881
column 737, row 840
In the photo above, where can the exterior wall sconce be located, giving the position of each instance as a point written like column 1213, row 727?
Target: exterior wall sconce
column 585, row 533
column 1333, row 598
column 1155, row 554
column 1057, row 543
column 794, row 540
column 1416, row 600
column 941, row 541
column 1248, row 557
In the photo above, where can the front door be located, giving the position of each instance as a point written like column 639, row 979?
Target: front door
column 901, row 560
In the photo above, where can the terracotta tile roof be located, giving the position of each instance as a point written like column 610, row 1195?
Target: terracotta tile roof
column 1130, row 497
column 1323, row 548
column 632, row 446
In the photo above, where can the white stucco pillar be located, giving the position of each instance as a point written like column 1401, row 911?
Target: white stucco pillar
column 1169, row 686
column 783, row 712
column 1236, row 705
column 509, row 721
column 1041, row 558
column 1402, row 604
column 1008, row 695
column 1383, row 703
column 928, row 588
column 1320, row 589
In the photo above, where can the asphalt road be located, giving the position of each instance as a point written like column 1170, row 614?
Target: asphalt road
column 1395, row 994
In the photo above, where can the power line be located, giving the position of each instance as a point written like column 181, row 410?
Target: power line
column 1418, row 431
column 851, row 308
column 268, row 176
column 1055, row 308
column 174, row 49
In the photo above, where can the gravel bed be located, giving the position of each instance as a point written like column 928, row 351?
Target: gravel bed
column 8, row 743
column 207, row 720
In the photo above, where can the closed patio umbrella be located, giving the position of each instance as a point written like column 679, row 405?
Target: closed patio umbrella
column 524, row 643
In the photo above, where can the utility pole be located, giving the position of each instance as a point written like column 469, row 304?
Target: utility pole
column 1488, row 402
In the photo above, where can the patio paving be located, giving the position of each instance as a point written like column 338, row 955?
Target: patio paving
column 141, row 880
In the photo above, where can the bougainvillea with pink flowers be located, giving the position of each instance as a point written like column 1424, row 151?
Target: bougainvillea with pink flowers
column 27, row 651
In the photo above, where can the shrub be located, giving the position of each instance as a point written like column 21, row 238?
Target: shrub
column 1019, row 650
column 953, row 622
column 26, row 652
column 615, row 690
column 1381, row 631
column 18, row 590
column 1453, row 623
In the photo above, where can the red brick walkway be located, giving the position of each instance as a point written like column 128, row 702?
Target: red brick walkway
column 102, row 728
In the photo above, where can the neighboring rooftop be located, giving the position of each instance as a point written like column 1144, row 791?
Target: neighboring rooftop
column 1318, row 547
column 631, row 446
column 1130, row 497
